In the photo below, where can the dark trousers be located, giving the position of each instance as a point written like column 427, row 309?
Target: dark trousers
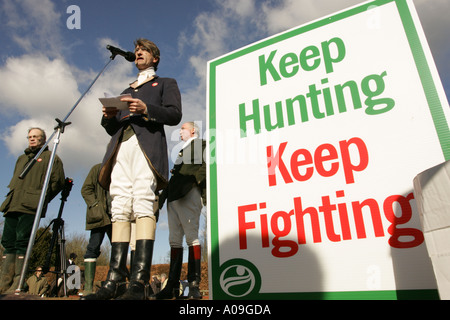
column 17, row 232
column 95, row 241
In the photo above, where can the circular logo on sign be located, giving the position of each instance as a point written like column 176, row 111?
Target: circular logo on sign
column 239, row 278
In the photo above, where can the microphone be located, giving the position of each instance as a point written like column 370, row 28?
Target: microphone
column 129, row 56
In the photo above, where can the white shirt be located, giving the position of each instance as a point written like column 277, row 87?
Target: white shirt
column 143, row 75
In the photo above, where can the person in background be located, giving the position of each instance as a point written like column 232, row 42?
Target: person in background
column 72, row 258
column 98, row 222
column 184, row 194
column 37, row 284
column 21, row 204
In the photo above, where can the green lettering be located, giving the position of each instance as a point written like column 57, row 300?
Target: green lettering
column 302, row 106
column 255, row 117
column 268, row 119
column 337, row 57
column 371, row 103
column 313, row 96
column 307, row 54
column 286, row 61
column 353, row 87
column 267, row 66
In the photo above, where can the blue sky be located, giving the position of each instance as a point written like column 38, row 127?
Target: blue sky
column 45, row 67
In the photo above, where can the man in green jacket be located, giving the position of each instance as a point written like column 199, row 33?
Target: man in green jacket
column 184, row 195
column 37, row 283
column 98, row 221
column 21, row 205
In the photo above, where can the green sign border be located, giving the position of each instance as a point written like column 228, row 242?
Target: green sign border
column 437, row 113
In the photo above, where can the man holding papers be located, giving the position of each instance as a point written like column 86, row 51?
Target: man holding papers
column 134, row 169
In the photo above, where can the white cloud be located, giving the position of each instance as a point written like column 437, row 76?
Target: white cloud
column 34, row 85
column 290, row 13
column 39, row 20
column 242, row 9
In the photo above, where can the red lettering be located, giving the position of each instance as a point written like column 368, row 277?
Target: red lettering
column 243, row 225
column 295, row 163
column 376, row 217
column 325, row 161
column 299, row 214
column 320, row 158
column 343, row 216
column 406, row 214
column 397, row 210
column 276, row 161
column 327, row 209
column 264, row 231
column 279, row 244
column 347, row 164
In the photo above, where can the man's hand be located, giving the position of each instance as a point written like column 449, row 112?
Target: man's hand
column 136, row 106
column 109, row 112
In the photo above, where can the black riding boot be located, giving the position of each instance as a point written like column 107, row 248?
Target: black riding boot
column 194, row 272
column 115, row 283
column 172, row 288
column 138, row 288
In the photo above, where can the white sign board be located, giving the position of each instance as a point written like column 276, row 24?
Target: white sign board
column 316, row 136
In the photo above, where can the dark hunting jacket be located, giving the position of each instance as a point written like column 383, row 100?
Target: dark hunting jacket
column 163, row 100
column 188, row 172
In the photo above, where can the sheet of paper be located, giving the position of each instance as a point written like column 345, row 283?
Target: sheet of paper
column 111, row 101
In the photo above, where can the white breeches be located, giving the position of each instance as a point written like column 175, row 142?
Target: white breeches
column 184, row 219
column 133, row 184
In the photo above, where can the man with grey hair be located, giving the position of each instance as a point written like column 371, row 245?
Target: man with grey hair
column 21, row 204
column 187, row 187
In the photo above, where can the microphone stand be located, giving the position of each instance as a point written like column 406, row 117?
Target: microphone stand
column 59, row 129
